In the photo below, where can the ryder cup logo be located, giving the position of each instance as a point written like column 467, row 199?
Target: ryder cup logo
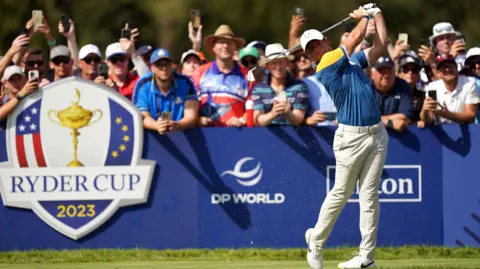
column 74, row 151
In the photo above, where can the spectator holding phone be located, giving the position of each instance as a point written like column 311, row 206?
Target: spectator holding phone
column 66, row 27
column 17, row 88
column 61, row 62
column 168, row 101
column 454, row 98
column 222, row 84
column 393, row 95
column 281, row 99
column 34, row 60
column 90, row 58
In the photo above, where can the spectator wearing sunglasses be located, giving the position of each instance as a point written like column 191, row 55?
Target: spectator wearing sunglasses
column 472, row 68
column 90, row 57
column 117, row 61
column 33, row 60
column 249, row 57
column 456, row 95
column 393, row 95
column 189, row 63
column 409, row 67
column 61, row 62
column 168, row 101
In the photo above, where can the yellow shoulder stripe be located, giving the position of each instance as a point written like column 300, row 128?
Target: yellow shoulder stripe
column 330, row 58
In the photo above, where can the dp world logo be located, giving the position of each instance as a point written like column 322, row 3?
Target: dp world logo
column 245, row 178
column 74, row 151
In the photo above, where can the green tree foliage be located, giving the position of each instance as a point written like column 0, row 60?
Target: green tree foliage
column 163, row 23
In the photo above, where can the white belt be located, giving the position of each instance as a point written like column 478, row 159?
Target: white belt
column 361, row 129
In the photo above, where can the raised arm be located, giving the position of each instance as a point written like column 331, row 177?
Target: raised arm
column 358, row 33
column 380, row 41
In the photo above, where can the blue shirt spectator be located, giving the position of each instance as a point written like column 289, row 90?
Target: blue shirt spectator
column 167, row 100
column 393, row 95
column 320, row 101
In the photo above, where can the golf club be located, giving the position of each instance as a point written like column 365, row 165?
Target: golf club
column 251, row 77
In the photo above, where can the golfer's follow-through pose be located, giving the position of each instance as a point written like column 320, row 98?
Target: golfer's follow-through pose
column 360, row 143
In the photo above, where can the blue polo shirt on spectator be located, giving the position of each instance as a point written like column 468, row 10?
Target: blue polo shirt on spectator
column 398, row 100
column 148, row 98
column 297, row 94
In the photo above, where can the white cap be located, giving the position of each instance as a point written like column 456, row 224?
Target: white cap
column 308, row 36
column 114, row 49
column 188, row 53
column 472, row 53
column 88, row 49
column 12, row 70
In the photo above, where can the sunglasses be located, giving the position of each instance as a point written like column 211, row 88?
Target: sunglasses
column 116, row 59
column 33, row 63
column 60, row 60
column 162, row 63
column 445, row 29
column 249, row 62
column 406, row 70
column 91, row 59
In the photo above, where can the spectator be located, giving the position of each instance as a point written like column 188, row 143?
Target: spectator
column 260, row 46
column 321, row 104
column 303, row 65
column 61, row 62
column 118, row 55
column 472, row 67
column 272, row 109
column 249, row 57
column 409, row 67
column 189, row 62
column 17, row 87
column 34, row 60
column 167, row 100
column 145, row 52
column 456, row 95
column 394, row 96
column 90, row 57
column 72, row 46
column 222, row 84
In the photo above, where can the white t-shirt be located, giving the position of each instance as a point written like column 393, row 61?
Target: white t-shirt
column 464, row 94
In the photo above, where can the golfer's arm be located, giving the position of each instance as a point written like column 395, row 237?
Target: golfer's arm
column 380, row 41
column 356, row 36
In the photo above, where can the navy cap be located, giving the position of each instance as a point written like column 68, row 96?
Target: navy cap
column 384, row 61
column 144, row 50
column 408, row 59
column 159, row 54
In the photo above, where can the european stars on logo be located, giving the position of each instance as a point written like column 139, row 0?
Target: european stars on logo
column 126, row 138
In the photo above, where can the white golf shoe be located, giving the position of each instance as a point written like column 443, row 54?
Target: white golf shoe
column 315, row 254
column 357, row 262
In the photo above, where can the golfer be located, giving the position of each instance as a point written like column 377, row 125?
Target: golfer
column 360, row 143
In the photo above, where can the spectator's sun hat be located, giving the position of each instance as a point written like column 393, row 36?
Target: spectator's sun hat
column 189, row 53
column 114, row 49
column 276, row 51
column 440, row 29
column 382, row 62
column 223, row 31
column 12, row 70
column 89, row 49
column 248, row 51
column 59, row 50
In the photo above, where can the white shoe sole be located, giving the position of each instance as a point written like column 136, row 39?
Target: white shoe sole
column 308, row 233
column 370, row 266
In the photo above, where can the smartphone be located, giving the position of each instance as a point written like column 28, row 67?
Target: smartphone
column 23, row 31
column 166, row 115
column 131, row 24
column 33, row 75
column 282, row 96
column 37, row 16
column 126, row 33
column 195, row 18
column 432, row 94
column 331, row 116
column 103, row 70
column 424, row 43
column 298, row 11
column 65, row 21
column 403, row 37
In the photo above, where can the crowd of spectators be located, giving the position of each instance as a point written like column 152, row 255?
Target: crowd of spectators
column 434, row 84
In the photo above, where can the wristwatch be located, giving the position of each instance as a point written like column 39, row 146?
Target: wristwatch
column 389, row 123
column 18, row 97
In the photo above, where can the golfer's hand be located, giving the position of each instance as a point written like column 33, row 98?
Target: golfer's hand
column 358, row 13
column 430, row 104
column 371, row 9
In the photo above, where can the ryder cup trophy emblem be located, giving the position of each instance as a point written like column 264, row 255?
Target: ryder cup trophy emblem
column 75, row 117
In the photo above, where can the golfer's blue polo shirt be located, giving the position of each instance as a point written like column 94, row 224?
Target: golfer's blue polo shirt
column 148, row 98
column 349, row 87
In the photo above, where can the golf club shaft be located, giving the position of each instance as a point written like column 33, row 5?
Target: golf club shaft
column 299, row 46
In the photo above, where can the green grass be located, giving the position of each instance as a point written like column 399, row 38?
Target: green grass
column 395, row 258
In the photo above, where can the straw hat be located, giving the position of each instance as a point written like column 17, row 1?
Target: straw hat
column 223, row 31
